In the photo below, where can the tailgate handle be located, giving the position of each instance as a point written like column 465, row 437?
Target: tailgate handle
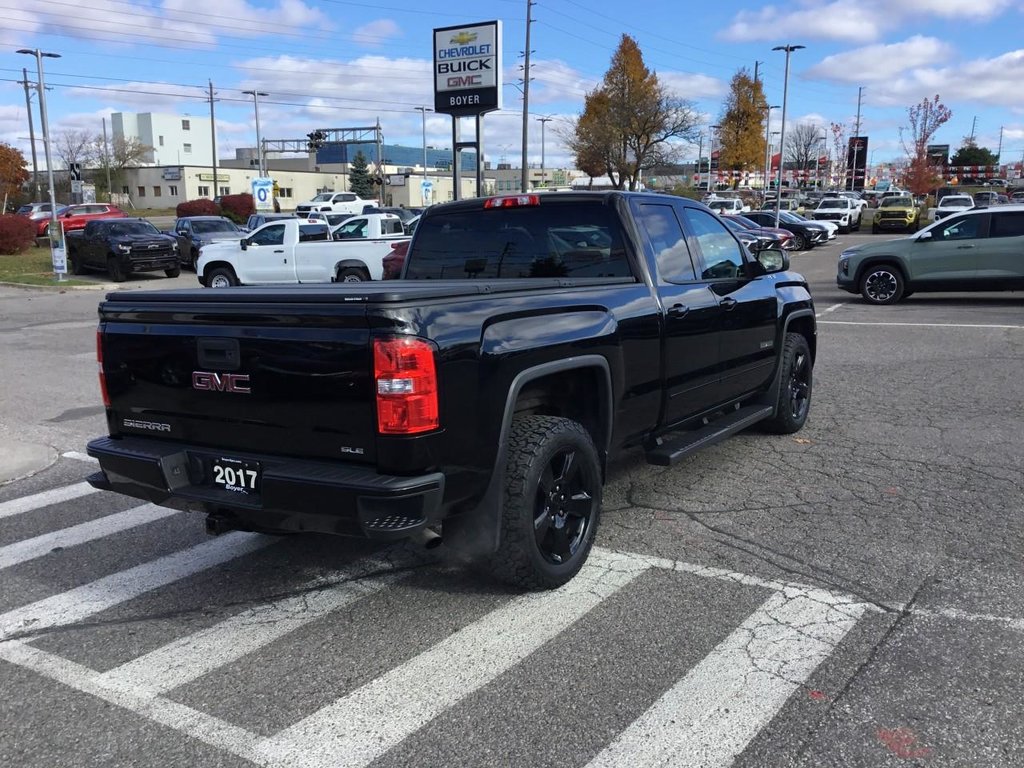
column 219, row 354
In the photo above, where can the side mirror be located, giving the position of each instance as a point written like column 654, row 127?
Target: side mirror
column 924, row 236
column 244, row 243
column 773, row 260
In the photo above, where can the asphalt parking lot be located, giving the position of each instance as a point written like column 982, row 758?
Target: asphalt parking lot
column 851, row 595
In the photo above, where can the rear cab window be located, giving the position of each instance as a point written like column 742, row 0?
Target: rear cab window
column 572, row 239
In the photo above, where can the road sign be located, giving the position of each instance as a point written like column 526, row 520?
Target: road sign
column 75, row 170
column 263, row 193
column 427, row 191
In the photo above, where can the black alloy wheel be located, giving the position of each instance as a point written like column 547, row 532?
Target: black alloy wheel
column 551, row 504
column 800, row 241
column 796, row 381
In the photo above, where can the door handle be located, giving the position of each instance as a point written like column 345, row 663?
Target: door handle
column 963, row 247
column 278, row 251
column 727, row 303
column 678, row 310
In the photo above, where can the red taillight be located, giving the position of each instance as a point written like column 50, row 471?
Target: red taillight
column 512, row 201
column 406, row 380
column 99, row 365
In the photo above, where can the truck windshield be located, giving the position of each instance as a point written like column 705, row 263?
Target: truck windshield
column 209, row 227
column 133, row 228
column 323, row 197
column 557, row 239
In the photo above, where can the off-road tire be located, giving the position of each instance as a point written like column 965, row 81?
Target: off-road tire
column 173, row 271
column 75, row 264
column 882, row 284
column 114, row 270
column 221, row 275
column 796, row 381
column 536, row 444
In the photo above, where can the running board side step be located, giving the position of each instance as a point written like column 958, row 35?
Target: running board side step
column 673, row 449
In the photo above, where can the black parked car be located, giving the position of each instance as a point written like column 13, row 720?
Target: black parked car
column 193, row 232
column 805, row 235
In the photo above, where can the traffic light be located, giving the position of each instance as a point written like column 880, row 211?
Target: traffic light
column 316, row 139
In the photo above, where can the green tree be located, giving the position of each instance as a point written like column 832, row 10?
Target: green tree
column 741, row 125
column 359, row 178
column 631, row 122
column 925, row 120
column 970, row 153
column 12, row 172
column 117, row 155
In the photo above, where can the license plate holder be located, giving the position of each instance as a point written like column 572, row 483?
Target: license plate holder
column 236, row 475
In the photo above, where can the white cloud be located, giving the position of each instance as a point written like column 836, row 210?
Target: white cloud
column 175, row 22
column 376, row 33
column 874, row 63
column 688, row 85
column 857, row 21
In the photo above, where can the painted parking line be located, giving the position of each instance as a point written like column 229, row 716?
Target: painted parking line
column 923, row 325
column 709, row 717
column 81, row 602
column 191, row 657
column 359, row 728
column 30, row 549
column 830, row 310
column 44, row 499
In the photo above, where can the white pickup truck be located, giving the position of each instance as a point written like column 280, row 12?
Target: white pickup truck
column 334, row 202
column 297, row 251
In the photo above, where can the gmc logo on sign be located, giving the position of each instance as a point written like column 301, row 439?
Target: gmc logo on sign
column 463, row 80
column 238, row 383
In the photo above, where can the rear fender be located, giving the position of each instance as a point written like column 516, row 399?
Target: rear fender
column 477, row 532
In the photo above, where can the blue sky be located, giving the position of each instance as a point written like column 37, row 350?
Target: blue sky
column 331, row 63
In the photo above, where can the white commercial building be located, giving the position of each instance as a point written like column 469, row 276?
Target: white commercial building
column 175, row 139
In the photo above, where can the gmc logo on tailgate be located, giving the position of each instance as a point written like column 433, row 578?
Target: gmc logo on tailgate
column 238, row 383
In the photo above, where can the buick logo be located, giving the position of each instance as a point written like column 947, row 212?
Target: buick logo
column 236, row 383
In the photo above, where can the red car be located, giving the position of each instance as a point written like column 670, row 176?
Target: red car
column 77, row 216
column 395, row 260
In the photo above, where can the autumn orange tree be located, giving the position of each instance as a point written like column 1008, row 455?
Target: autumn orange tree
column 925, row 120
column 741, row 125
column 12, row 171
column 630, row 122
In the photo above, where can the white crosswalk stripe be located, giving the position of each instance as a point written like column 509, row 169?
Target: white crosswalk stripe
column 192, row 657
column 30, row 549
column 81, row 602
column 710, row 715
column 45, row 499
column 704, row 719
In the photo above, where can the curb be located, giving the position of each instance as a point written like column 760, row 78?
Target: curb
column 59, row 287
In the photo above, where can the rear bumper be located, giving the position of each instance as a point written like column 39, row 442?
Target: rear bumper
column 295, row 494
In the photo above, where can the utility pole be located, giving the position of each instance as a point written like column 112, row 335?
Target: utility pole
column 768, row 150
column 524, row 181
column 423, row 111
column 974, row 125
column 999, row 151
column 700, row 154
column 259, row 138
column 757, row 65
column 380, row 164
column 782, row 139
column 106, row 163
column 856, row 141
column 32, row 136
column 543, row 171
column 213, row 138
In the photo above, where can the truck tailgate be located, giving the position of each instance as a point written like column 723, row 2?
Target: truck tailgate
column 294, row 379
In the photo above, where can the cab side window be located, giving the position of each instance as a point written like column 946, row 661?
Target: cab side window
column 1007, row 224
column 722, row 254
column 273, row 235
column 963, row 228
column 664, row 235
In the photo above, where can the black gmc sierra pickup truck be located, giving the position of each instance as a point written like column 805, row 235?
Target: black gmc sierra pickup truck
column 477, row 399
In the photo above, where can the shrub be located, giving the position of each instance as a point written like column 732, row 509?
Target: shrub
column 201, row 207
column 241, row 206
column 17, row 233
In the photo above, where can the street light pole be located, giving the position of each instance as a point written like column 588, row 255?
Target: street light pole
column 259, row 139
column 41, row 86
column 711, row 155
column 817, row 162
column 768, row 150
column 423, row 111
column 543, row 172
column 782, row 139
